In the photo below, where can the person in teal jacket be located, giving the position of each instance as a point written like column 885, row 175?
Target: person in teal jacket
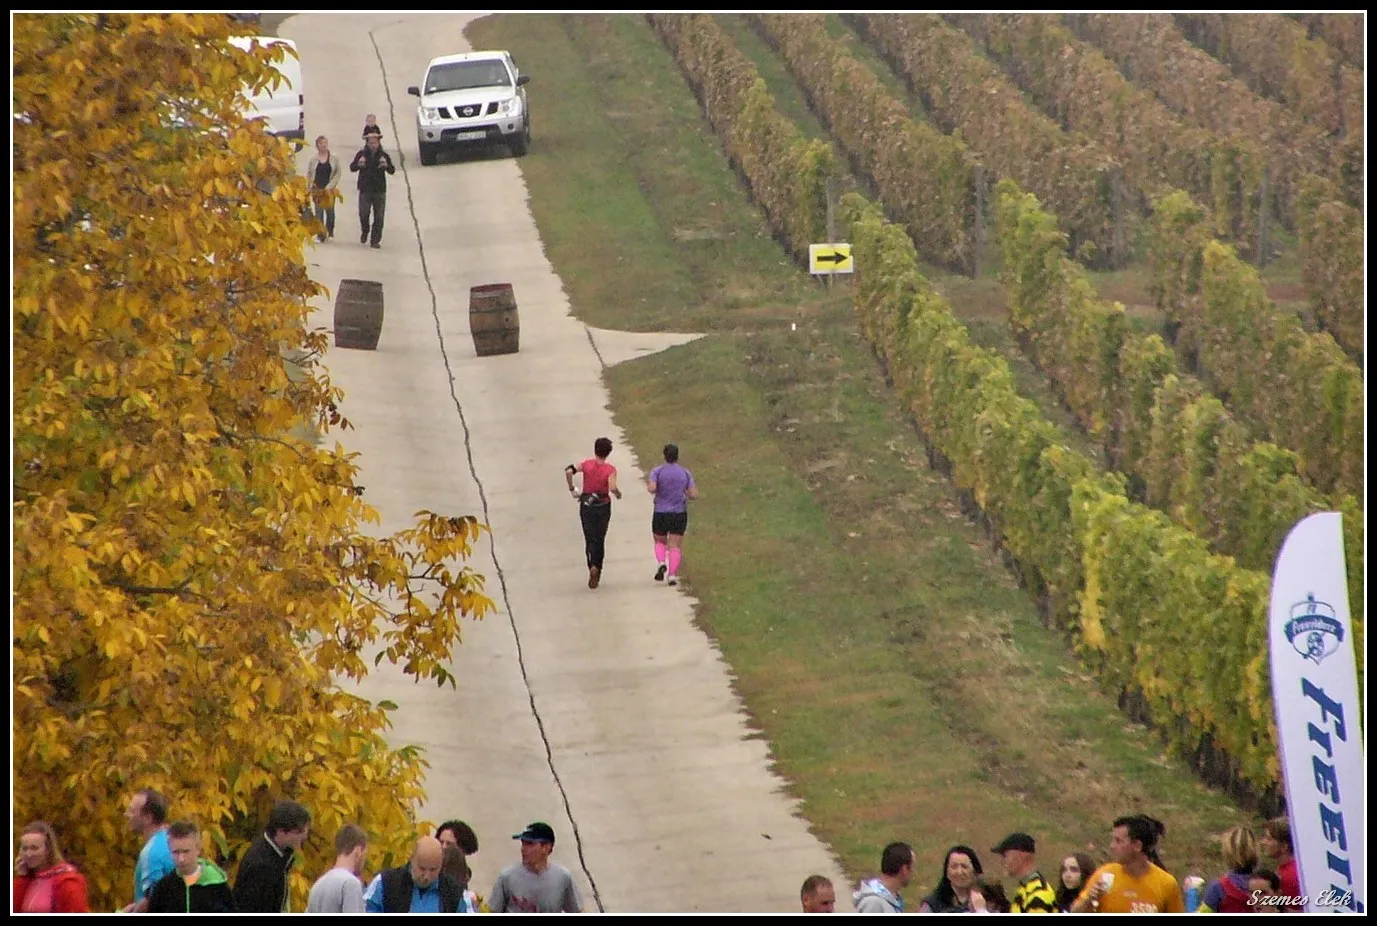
column 147, row 816
column 197, row 885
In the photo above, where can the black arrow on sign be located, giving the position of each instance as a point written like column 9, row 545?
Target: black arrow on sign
column 836, row 257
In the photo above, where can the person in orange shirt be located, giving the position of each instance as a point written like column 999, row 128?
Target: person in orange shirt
column 1132, row 882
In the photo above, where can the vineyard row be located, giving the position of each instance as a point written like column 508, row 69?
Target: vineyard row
column 1137, row 591
column 1275, row 56
column 1151, row 48
column 1181, row 449
column 1295, row 388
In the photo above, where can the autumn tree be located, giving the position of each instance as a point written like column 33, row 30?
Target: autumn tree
column 194, row 587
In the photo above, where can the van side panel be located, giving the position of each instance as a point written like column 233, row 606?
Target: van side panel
column 284, row 109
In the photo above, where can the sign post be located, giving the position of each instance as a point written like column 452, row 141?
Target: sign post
column 831, row 221
column 1319, row 725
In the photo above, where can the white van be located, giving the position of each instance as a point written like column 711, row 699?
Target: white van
column 284, row 109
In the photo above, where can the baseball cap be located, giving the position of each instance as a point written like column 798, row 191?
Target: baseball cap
column 1020, row 841
column 537, row 832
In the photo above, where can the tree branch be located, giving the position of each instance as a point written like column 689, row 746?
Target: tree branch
column 180, row 589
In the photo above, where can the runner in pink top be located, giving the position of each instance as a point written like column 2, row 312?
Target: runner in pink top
column 672, row 486
column 599, row 487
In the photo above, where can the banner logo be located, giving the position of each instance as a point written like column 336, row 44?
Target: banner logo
column 1313, row 629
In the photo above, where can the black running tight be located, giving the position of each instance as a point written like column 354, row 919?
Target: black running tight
column 595, row 520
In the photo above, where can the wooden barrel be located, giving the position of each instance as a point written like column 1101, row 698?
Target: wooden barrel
column 493, row 319
column 358, row 314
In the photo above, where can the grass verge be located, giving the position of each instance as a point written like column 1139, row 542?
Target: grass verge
column 906, row 686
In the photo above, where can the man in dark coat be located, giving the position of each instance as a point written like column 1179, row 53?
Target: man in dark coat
column 261, row 886
column 372, row 164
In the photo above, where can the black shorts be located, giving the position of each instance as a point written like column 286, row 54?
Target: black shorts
column 669, row 522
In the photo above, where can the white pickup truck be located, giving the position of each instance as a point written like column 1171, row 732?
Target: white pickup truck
column 472, row 99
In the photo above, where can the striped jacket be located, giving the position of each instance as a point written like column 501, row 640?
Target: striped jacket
column 1034, row 895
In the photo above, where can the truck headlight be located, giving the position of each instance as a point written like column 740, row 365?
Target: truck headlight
column 429, row 113
column 508, row 107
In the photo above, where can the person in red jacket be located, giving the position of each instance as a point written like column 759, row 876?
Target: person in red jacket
column 43, row 881
column 1276, row 845
column 1230, row 892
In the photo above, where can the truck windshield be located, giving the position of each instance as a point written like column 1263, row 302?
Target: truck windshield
column 467, row 75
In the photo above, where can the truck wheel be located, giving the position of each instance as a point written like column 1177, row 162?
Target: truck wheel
column 521, row 142
column 427, row 154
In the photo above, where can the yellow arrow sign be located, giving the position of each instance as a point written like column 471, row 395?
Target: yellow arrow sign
column 830, row 258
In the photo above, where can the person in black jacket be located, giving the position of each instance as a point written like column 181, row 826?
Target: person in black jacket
column 208, row 889
column 372, row 164
column 261, row 885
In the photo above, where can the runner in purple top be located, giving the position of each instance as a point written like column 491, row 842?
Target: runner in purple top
column 672, row 486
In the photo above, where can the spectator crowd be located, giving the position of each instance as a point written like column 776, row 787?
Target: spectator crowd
column 172, row 876
column 1134, row 879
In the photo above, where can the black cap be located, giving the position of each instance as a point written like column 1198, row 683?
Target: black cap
column 1020, row 841
column 537, row 832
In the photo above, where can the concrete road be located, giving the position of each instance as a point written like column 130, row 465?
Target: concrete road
column 605, row 713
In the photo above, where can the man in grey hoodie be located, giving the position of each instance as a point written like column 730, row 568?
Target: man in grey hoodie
column 881, row 895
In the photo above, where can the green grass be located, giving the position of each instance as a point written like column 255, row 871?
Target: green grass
column 905, row 684
column 593, row 201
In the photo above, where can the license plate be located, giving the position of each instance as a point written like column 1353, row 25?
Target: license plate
column 470, row 136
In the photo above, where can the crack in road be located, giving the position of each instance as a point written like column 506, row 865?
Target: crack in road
column 594, row 344
column 473, row 473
